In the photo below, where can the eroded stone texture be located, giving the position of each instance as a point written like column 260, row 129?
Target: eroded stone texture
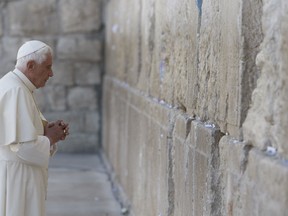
column 252, row 38
column 82, row 98
column 266, row 123
column 10, row 47
column 52, row 98
column 78, row 49
column 87, row 74
column 249, row 179
column 178, row 49
column 80, row 16
column 33, row 17
column 63, row 74
column 216, row 87
column 1, row 30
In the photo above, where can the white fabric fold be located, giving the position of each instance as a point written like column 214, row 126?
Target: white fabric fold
column 36, row 153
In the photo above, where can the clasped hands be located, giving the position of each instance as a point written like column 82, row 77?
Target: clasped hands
column 56, row 131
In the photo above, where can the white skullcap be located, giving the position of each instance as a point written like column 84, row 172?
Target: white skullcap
column 30, row 47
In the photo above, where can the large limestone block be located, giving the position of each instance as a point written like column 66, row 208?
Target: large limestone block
column 92, row 122
column 87, row 74
column 63, row 74
column 80, row 16
column 131, row 23
column 156, row 161
column 269, row 176
column 216, row 87
column 179, row 54
column 10, row 47
column 147, row 43
column 137, row 143
column 200, row 184
column 267, row 120
column 252, row 182
column 183, row 177
column 116, row 15
column 123, row 40
column 32, row 17
column 69, row 48
column 52, row 98
column 82, row 98
column 252, row 37
column 169, row 43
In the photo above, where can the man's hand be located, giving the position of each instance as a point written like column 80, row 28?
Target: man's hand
column 56, row 131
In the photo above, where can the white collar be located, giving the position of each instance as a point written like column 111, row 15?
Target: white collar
column 25, row 80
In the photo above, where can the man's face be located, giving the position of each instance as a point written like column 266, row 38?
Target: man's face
column 42, row 72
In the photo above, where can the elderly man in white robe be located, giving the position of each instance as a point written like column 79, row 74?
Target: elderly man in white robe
column 27, row 140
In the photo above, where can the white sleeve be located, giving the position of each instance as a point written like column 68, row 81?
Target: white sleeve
column 36, row 152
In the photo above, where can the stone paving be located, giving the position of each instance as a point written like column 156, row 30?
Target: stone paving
column 79, row 185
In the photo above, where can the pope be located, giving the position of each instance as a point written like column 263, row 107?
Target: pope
column 27, row 140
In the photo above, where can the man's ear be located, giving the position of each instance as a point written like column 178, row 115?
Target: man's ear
column 30, row 64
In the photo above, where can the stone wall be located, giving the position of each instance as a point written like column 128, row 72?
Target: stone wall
column 194, row 105
column 74, row 30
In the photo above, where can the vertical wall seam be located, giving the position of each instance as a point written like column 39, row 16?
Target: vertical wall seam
column 139, row 66
column 171, row 150
column 196, row 87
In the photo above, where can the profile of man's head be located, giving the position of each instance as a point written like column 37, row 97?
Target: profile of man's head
column 34, row 59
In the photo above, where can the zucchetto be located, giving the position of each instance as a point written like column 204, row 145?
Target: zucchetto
column 30, row 47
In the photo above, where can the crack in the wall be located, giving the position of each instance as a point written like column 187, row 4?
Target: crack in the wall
column 252, row 34
column 188, row 126
column 215, row 180
column 171, row 158
column 196, row 84
column 199, row 5
column 244, row 158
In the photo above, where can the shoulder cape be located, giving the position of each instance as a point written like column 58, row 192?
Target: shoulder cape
column 17, row 112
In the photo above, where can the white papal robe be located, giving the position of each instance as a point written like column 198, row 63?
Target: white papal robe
column 24, row 150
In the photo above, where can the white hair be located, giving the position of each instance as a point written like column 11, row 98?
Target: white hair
column 38, row 56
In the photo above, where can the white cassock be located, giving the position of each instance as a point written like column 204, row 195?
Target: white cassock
column 24, row 150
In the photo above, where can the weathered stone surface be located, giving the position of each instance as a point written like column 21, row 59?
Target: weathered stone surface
column 78, row 49
column 10, row 47
column 52, row 98
column 92, row 122
column 6, row 66
column 251, row 178
column 252, row 35
column 182, row 179
column 82, row 98
column 1, row 27
column 201, row 190
column 215, row 88
column 63, row 73
column 178, row 45
column 32, row 17
column 266, row 123
column 87, row 74
column 80, row 16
